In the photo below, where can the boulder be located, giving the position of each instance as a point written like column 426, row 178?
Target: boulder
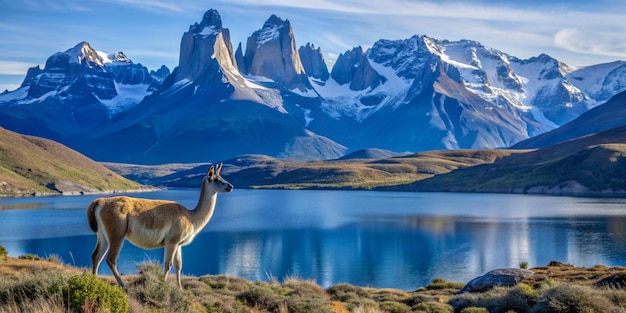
column 615, row 281
column 504, row 277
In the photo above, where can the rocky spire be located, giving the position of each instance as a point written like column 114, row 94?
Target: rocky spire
column 241, row 63
column 271, row 52
column 313, row 62
column 353, row 67
column 206, row 53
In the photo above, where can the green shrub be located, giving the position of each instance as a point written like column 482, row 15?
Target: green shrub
column 262, row 296
column 151, row 289
column 573, row 298
column 354, row 297
column 440, row 283
column 305, row 296
column 433, row 307
column 3, row 251
column 86, row 292
column 394, row 307
column 29, row 256
column 473, row 309
column 523, row 265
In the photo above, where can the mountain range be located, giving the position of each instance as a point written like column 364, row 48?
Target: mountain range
column 273, row 98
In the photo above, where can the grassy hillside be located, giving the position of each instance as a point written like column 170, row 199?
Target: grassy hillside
column 591, row 165
column 32, row 165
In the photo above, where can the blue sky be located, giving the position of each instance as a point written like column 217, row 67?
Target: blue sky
column 149, row 31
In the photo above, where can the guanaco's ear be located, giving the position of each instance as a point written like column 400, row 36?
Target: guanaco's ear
column 218, row 169
column 211, row 171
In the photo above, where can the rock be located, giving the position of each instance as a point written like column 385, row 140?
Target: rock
column 615, row 281
column 500, row 277
column 271, row 52
column 353, row 67
column 206, row 53
column 313, row 62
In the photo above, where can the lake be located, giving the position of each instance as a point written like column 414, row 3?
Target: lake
column 380, row 239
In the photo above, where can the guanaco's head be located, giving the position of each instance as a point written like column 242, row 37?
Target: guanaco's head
column 219, row 184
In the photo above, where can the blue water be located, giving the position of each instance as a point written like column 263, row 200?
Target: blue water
column 379, row 239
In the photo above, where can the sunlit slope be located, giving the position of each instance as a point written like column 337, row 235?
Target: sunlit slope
column 260, row 171
column 593, row 164
column 33, row 165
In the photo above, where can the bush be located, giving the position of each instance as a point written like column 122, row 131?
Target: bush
column 473, row 309
column 394, row 307
column 86, row 292
column 262, row 296
column 441, row 283
column 354, row 297
column 29, row 256
column 151, row 289
column 573, row 298
column 433, row 307
column 3, row 251
column 33, row 286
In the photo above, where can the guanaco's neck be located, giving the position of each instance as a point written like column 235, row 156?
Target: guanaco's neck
column 203, row 211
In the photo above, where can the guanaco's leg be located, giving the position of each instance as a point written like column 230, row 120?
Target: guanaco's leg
column 178, row 264
column 102, row 245
column 168, row 258
column 114, row 251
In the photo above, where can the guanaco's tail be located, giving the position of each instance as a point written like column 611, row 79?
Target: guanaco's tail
column 91, row 215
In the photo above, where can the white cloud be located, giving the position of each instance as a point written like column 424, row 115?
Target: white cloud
column 14, row 67
column 580, row 41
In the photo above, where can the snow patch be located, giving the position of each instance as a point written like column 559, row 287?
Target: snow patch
column 307, row 115
column 267, row 35
column 17, row 94
column 127, row 96
column 339, row 100
column 309, row 93
column 209, row 31
column 271, row 98
column 590, row 79
column 252, row 81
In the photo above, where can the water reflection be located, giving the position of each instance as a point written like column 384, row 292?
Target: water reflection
column 21, row 206
column 398, row 240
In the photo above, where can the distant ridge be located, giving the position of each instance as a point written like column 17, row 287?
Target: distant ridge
column 371, row 153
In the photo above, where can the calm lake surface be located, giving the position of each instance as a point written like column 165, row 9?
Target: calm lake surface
column 379, row 239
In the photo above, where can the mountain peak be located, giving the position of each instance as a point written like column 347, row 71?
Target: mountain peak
column 271, row 30
column 271, row 52
column 83, row 53
column 275, row 20
column 210, row 25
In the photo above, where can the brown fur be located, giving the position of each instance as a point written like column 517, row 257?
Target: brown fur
column 151, row 224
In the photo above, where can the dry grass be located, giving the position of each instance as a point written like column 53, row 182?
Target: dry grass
column 37, row 286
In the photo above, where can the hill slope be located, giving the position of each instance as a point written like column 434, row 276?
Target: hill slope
column 260, row 171
column 32, row 165
column 590, row 165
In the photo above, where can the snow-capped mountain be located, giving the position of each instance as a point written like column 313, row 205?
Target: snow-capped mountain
column 414, row 94
column 207, row 110
column 77, row 90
